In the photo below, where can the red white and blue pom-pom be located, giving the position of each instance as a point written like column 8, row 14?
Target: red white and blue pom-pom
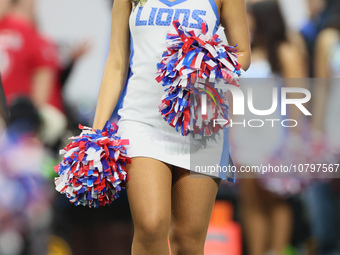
column 192, row 65
column 93, row 168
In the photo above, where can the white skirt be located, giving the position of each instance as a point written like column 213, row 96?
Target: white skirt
column 208, row 157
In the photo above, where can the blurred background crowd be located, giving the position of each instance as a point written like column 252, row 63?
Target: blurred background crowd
column 52, row 55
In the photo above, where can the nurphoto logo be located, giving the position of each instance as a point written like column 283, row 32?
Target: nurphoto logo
column 240, row 101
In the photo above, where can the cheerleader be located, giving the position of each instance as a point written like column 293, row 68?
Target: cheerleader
column 167, row 204
column 265, row 208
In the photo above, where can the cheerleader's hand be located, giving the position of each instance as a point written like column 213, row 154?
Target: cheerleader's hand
column 93, row 170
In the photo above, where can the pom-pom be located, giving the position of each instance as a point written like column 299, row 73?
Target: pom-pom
column 93, row 168
column 190, row 68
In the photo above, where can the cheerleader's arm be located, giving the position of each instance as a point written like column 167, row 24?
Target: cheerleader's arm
column 233, row 19
column 116, row 67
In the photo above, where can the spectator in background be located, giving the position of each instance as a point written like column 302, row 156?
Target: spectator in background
column 31, row 67
column 321, row 197
column 27, row 67
column 266, row 213
column 319, row 13
column 24, row 68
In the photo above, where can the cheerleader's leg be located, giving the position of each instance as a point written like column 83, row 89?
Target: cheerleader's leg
column 149, row 195
column 192, row 202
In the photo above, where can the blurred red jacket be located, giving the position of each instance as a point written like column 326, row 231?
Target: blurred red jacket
column 20, row 55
